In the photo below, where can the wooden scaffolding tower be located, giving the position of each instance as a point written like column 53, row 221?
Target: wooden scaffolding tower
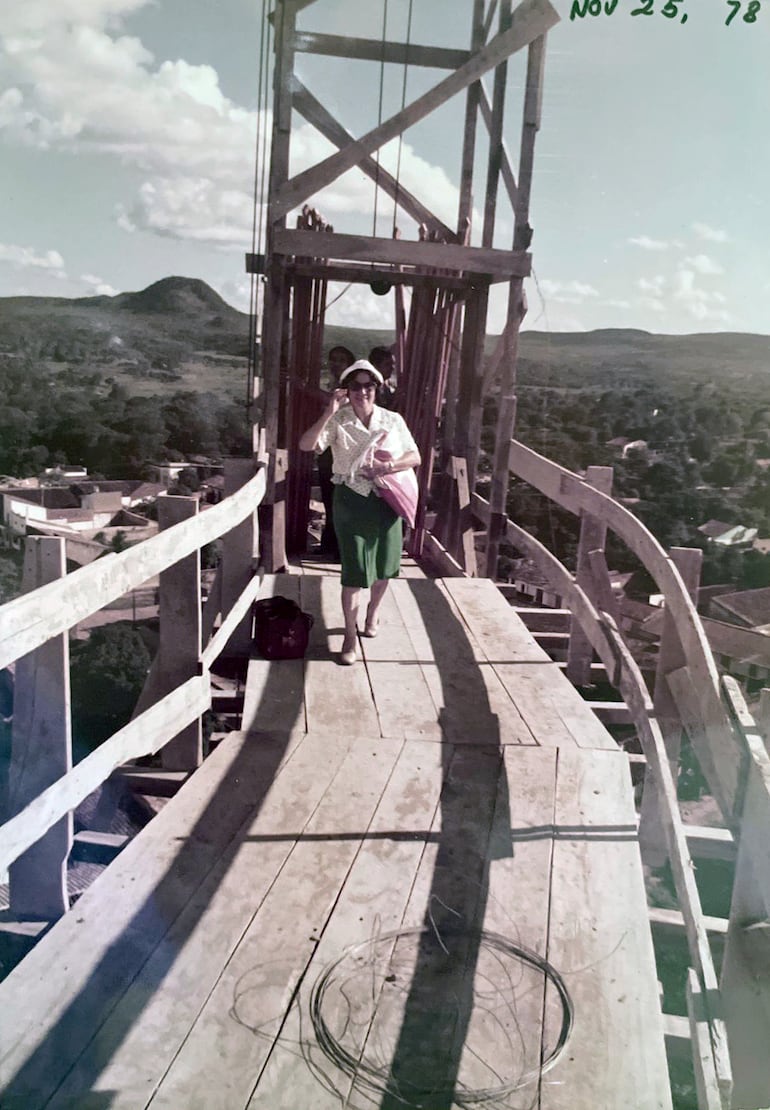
column 440, row 359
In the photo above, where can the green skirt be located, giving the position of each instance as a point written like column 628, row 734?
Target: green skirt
column 370, row 537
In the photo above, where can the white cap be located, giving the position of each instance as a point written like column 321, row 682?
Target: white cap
column 361, row 364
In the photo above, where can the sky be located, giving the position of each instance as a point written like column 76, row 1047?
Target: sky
column 127, row 153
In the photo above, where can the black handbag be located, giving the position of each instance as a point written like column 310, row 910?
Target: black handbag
column 281, row 628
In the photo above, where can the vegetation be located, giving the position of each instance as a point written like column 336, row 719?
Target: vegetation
column 107, row 673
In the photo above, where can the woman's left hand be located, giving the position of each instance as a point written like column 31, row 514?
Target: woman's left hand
column 376, row 469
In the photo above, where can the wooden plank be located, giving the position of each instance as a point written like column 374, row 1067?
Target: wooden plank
column 401, row 252
column 314, row 112
column 142, row 736
column 377, row 50
column 509, row 1025
column 70, row 982
column 672, row 922
column 336, row 697
column 553, row 710
column 706, row 1085
column 372, row 901
column 147, row 1043
column 422, row 1017
column 506, row 168
column 239, row 610
column 600, row 941
column 494, row 624
column 274, row 695
column 532, row 18
column 473, row 704
column 33, row 619
column 179, row 642
column 401, row 695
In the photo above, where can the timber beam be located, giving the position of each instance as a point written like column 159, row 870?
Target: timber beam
column 364, row 273
column 373, row 50
column 498, row 265
column 531, row 19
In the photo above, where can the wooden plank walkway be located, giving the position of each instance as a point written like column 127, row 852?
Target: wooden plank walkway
column 367, row 897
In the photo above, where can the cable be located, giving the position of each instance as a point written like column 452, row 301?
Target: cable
column 403, row 105
column 375, row 1078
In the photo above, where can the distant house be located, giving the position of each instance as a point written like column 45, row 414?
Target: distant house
column 622, row 446
column 746, row 608
column 63, row 473
column 762, row 545
column 728, row 535
column 77, row 513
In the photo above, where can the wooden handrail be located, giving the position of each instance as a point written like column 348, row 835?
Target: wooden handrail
column 31, row 620
column 142, row 736
column 719, row 747
column 605, row 638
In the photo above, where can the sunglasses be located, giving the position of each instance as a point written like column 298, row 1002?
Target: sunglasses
column 356, row 387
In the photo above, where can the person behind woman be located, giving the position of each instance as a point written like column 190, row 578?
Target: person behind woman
column 369, row 532
column 338, row 359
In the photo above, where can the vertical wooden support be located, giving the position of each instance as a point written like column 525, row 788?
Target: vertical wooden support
column 471, row 119
column 495, row 158
column 671, row 657
column 593, row 533
column 533, row 100
column 745, row 982
column 466, row 548
column 41, row 747
column 274, row 512
column 240, row 554
column 506, row 424
column 763, row 716
column 180, row 633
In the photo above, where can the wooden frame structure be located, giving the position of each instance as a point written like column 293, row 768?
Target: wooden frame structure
column 441, row 260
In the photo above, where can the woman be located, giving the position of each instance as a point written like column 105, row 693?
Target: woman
column 368, row 531
column 339, row 359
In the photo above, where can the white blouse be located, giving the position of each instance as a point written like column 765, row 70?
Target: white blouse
column 349, row 438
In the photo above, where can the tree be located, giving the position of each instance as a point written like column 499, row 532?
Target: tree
column 107, row 673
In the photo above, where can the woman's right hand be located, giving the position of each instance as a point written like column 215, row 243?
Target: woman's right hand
column 338, row 398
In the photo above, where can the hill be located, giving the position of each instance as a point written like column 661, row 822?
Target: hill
column 176, row 330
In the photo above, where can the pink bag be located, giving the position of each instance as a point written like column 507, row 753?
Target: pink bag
column 398, row 489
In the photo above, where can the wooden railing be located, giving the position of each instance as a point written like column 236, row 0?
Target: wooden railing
column 35, row 841
column 729, row 1017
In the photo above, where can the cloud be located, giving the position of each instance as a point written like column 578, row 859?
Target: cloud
column 360, row 304
column 567, row 292
column 654, row 286
column 190, row 208
column 653, row 304
column 710, row 234
column 648, row 244
column 699, row 303
column 704, row 265
column 97, row 285
column 28, row 256
column 616, row 304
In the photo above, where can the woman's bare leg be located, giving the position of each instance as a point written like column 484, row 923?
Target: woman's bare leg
column 350, row 596
column 376, row 594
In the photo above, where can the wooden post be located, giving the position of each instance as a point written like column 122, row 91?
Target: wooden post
column 180, row 633
column 671, row 657
column 466, row 551
column 274, row 312
column 239, row 555
column 506, row 424
column 593, row 533
column 745, row 984
column 41, row 747
column 763, row 716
